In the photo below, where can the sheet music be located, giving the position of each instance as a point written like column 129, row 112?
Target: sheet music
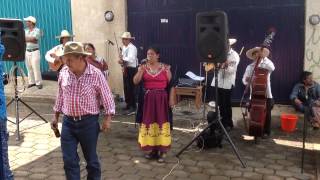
column 194, row 77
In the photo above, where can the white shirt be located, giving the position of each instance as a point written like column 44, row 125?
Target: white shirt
column 129, row 54
column 266, row 63
column 55, row 50
column 227, row 76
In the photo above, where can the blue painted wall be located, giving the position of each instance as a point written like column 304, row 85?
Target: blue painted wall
column 52, row 16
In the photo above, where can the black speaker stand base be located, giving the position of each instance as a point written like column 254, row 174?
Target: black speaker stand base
column 209, row 126
column 16, row 100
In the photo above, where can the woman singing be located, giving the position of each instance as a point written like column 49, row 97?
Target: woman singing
column 154, row 132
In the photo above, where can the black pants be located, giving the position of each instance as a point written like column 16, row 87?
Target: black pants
column 225, row 107
column 129, row 87
column 267, row 125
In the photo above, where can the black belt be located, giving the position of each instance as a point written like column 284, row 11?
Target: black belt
column 31, row 50
column 79, row 118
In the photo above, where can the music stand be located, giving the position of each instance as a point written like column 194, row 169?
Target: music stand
column 213, row 122
column 16, row 99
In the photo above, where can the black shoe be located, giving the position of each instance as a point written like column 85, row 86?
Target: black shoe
column 39, row 86
column 30, row 85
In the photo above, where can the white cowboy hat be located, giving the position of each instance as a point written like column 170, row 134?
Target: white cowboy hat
column 265, row 52
column 73, row 47
column 127, row 35
column 64, row 33
column 232, row 41
column 31, row 19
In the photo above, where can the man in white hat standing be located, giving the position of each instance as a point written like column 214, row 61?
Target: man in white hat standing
column 226, row 82
column 129, row 61
column 81, row 89
column 33, row 35
column 52, row 56
column 255, row 54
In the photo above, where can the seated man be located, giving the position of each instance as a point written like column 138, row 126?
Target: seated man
column 307, row 94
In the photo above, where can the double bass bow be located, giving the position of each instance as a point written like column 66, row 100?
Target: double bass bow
column 257, row 105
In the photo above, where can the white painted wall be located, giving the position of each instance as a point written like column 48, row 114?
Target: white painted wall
column 89, row 25
column 312, row 40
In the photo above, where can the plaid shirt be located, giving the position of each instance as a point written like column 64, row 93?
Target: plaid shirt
column 82, row 96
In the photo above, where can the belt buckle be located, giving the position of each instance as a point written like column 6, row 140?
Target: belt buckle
column 77, row 119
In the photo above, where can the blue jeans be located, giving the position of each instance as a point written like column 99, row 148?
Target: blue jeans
column 85, row 132
column 5, row 172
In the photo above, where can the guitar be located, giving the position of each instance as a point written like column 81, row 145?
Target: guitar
column 208, row 66
column 56, row 65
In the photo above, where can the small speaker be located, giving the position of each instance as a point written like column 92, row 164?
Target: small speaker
column 211, row 37
column 13, row 39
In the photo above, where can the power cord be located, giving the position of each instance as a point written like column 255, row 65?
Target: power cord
column 12, row 76
column 172, row 169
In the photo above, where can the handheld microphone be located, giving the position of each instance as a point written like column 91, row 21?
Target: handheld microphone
column 144, row 61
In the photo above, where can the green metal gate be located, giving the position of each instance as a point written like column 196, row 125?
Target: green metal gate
column 52, row 16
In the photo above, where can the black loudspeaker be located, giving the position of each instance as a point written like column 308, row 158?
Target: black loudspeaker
column 211, row 37
column 13, row 39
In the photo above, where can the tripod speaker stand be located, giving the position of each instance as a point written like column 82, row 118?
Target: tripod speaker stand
column 16, row 99
column 210, row 125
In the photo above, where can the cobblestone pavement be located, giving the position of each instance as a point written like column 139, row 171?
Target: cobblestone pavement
column 38, row 154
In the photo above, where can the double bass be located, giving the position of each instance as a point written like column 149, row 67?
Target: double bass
column 257, row 105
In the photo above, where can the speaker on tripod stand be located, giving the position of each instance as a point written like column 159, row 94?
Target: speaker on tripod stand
column 212, row 43
column 13, row 39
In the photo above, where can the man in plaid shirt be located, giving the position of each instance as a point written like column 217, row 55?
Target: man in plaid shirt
column 81, row 89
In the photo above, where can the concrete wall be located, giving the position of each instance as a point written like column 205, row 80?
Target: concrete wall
column 89, row 25
column 312, row 40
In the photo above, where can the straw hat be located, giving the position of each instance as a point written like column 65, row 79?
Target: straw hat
column 31, row 19
column 64, row 33
column 127, row 35
column 73, row 47
column 232, row 41
column 265, row 52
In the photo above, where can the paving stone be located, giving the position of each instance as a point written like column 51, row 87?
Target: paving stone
column 264, row 171
column 304, row 176
column 205, row 164
column 255, row 164
column 199, row 176
column 143, row 166
column 284, row 173
column 128, row 170
column 19, row 173
column 179, row 173
column 193, row 169
column 146, row 173
column 269, row 177
column 285, row 162
column 38, row 176
column 131, row 177
column 232, row 173
column 252, row 175
column 55, row 177
column 274, row 166
column 275, row 156
column 219, row 178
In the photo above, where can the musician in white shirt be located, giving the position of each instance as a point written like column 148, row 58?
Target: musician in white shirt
column 52, row 56
column 265, row 63
column 129, row 62
column 226, row 82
